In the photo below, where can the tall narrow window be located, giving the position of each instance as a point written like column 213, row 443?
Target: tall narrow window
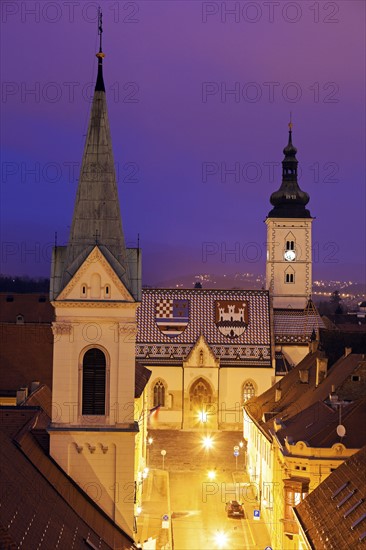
column 290, row 245
column 159, row 394
column 94, row 382
column 248, row 391
column 289, row 277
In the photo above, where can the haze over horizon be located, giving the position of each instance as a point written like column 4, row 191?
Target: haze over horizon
column 199, row 103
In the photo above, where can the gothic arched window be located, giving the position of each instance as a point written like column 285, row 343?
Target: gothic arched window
column 94, row 382
column 159, row 394
column 248, row 390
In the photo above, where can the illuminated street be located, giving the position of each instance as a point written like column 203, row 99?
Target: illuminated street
column 199, row 517
column 203, row 477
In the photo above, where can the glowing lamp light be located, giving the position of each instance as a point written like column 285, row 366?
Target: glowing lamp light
column 145, row 473
column 241, row 444
column 207, row 442
column 221, row 539
column 150, row 440
column 211, row 474
column 138, row 510
column 202, row 415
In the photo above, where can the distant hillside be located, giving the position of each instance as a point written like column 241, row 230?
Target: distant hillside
column 24, row 284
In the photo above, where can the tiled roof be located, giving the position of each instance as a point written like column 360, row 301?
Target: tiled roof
column 294, row 326
column 333, row 516
column 26, row 353
column 41, row 507
column 295, row 395
column 250, row 347
column 142, row 375
column 317, row 425
column 35, row 308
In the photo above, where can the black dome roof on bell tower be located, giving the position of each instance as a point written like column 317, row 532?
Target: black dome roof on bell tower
column 289, row 201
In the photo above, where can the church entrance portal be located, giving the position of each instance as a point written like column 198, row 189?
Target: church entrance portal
column 202, row 409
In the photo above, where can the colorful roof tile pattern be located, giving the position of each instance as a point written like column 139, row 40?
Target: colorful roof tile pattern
column 235, row 324
column 295, row 326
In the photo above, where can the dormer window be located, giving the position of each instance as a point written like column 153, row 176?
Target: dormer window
column 20, row 319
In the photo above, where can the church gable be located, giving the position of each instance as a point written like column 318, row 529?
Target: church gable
column 95, row 280
column 201, row 355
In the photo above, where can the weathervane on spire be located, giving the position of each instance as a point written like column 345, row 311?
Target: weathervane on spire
column 100, row 55
column 100, row 27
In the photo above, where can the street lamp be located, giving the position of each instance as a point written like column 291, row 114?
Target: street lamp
column 149, row 443
column 163, row 453
column 207, row 442
column 211, row 475
column 221, row 539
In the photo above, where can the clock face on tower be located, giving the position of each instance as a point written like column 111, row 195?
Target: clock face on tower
column 289, row 255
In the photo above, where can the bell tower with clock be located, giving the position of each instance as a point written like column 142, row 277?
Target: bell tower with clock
column 289, row 256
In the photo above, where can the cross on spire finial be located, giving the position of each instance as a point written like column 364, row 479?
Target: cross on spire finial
column 290, row 123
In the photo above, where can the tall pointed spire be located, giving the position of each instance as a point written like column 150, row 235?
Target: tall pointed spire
column 97, row 218
column 289, row 201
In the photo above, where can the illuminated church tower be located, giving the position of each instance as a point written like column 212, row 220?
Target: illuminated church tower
column 95, row 290
column 289, row 261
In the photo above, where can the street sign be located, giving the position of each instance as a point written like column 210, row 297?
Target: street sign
column 268, row 548
column 165, row 517
column 236, row 448
column 256, row 514
column 236, row 453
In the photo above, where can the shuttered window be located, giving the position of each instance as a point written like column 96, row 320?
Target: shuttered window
column 94, row 376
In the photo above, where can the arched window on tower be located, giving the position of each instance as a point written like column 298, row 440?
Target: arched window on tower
column 94, row 382
column 248, row 390
column 290, row 245
column 159, row 394
column 289, row 275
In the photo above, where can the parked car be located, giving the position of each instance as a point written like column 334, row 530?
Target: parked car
column 234, row 509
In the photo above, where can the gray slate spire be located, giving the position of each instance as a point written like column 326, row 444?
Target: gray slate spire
column 97, row 218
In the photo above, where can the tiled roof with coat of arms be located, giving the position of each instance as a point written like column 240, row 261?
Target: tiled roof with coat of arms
column 235, row 324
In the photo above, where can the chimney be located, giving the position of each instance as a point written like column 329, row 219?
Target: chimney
column 347, row 351
column 278, row 393
column 304, row 376
column 321, row 369
column 333, row 398
column 34, row 385
column 22, row 395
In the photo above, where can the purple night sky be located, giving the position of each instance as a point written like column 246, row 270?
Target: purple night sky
column 174, row 130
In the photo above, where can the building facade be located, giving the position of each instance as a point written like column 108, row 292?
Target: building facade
column 95, row 292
